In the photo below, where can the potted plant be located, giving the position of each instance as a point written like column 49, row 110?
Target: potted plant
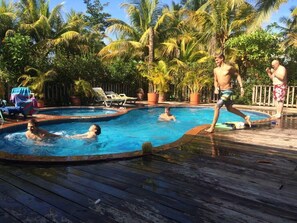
column 35, row 80
column 159, row 76
column 195, row 80
column 82, row 89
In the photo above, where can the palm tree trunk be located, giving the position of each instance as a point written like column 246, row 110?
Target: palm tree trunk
column 151, row 54
column 151, row 45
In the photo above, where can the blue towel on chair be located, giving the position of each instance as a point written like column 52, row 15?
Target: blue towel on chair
column 25, row 91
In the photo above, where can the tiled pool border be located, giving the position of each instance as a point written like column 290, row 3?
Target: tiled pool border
column 53, row 119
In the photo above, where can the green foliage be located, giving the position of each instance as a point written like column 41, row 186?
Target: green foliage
column 248, row 92
column 96, row 18
column 35, row 79
column 291, row 63
column 254, row 46
column 83, row 88
column 73, row 67
column 70, row 46
column 199, row 75
column 253, row 53
column 15, row 55
column 158, row 73
column 122, row 71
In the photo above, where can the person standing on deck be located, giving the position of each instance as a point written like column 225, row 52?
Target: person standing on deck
column 278, row 75
column 222, row 83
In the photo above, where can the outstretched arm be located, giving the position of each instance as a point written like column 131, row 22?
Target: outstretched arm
column 48, row 134
column 216, row 83
column 239, row 80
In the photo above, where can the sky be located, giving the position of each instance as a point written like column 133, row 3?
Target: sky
column 113, row 8
column 116, row 11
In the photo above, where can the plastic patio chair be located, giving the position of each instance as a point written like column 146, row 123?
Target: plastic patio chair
column 107, row 100
column 122, row 96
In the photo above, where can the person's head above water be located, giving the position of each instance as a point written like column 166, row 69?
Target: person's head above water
column 95, row 128
column 32, row 125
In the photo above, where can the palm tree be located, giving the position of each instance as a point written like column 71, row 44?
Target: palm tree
column 72, row 34
column 37, row 20
column 264, row 9
column 7, row 18
column 137, row 39
column 193, row 4
column 216, row 21
column 139, row 35
column 36, row 79
column 290, row 29
column 187, row 60
column 47, row 28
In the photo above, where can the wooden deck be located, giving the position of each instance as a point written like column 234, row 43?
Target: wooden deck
column 235, row 176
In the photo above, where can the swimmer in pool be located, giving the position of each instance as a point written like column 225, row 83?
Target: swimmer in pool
column 93, row 132
column 35, row 133
column 167, row 116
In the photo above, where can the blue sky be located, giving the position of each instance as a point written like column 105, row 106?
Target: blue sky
column 113, row 8
column 117, row 12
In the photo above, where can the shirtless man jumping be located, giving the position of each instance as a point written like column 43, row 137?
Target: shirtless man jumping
column 222, row 83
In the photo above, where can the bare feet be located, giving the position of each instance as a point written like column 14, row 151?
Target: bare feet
column 209, row 130
column 248, row 121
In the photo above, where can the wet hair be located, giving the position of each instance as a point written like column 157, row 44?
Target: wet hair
column 220, row 55
column 33, row 122
column 98, row 129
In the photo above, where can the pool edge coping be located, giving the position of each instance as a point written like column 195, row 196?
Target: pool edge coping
column 187, row 137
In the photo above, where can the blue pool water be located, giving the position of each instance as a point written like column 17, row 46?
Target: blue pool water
column 77, row 111
column 123, row 134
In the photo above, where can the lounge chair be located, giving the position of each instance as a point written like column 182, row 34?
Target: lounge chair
column 122, row 96
column 107, row 100
column 23, row 101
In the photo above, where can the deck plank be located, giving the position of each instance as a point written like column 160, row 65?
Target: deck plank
column 54, row 195
column 224, row 190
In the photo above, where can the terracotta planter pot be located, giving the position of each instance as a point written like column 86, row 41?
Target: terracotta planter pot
column 75, row 101
column 194, row 98
column 152, row 98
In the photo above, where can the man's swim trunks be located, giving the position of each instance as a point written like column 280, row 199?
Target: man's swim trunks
column 279, row 92
column 225, row 98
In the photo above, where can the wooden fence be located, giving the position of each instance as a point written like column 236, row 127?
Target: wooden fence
column 59, row 94
column 263, row 96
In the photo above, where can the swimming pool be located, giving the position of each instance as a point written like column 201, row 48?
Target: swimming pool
column 77, row 111
column 125, row 133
